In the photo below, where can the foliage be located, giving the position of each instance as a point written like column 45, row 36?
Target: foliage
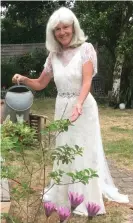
column 25, row 64
column 127, row 93
column 16, row 137
column 99, row 22
column 50, row 91
column 8, row 69
column 27, row 19
column 66, row 153
column 9, row 218
column 58, row 125
column 105, row 23
column 102, row 22
column 18, row 141
column 105, row 67
column 22, row 64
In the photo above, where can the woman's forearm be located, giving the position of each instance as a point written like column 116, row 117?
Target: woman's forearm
column 86, row 82
column 39, row 83
column 83, row 93
column 33, row 83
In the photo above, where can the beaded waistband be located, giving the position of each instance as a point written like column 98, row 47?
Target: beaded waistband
column 68, row 94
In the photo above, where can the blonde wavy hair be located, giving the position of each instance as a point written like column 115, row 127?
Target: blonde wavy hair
column 65, row 16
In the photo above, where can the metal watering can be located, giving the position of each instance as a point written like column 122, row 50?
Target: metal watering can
column 18, row 101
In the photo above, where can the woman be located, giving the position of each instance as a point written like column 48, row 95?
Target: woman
column 73, row 63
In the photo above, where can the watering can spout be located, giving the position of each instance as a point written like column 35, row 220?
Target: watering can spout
column 20, row 118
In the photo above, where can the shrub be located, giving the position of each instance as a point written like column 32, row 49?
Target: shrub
column 24, row 65
column 18, row 145
column 126, row 95
column 8, row 68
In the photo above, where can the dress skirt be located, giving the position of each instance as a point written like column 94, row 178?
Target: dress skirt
column 85, row 133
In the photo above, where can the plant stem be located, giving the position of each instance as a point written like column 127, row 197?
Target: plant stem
column 44, row 178
column 15, row 200
column 22, row 154
column 16, row 181
column 28, row 194
column 60, row 119
column 49, row 189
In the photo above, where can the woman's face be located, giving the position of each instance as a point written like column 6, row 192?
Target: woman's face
column 63, row 34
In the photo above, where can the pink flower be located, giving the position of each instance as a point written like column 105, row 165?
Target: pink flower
column 75, row 199
column 49, row 207
column 63, row 213
column 92, row 209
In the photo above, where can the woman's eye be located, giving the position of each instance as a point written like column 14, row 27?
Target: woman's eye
column 57, row 29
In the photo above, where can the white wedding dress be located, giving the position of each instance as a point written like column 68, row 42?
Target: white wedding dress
column 66, row 68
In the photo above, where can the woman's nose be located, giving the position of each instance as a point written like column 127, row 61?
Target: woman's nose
column 62, row 31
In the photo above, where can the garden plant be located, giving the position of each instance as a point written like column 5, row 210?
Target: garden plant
column 19, row 145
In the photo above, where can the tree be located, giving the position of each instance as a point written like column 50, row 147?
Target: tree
column 127, row 10
column 27, row 19
column 108, row 24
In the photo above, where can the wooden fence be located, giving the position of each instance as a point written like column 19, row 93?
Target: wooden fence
column 10, row 50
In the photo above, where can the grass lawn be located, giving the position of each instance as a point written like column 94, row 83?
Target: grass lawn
column 117, row 135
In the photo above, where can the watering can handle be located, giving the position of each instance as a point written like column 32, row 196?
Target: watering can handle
column 18, row 83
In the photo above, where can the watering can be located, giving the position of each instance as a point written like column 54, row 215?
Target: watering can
column 18, row 101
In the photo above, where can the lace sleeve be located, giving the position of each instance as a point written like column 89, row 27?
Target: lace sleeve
column 48, row 65
column 88, row 53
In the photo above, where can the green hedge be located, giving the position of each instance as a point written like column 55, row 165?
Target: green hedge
column 32, row 61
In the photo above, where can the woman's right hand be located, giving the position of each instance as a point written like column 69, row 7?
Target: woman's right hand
column 18, row 78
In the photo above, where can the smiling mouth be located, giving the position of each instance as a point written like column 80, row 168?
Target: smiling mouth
column 63, row 38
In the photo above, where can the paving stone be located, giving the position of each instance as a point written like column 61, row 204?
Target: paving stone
column 3, row 221
column 123, row 179
column 131, row 198
column 5, row 207
column 128, row 179
column 127, row 190
column 114, row 171
column 116, row 175
column 119, row 175
column 5, row 196
column 131, row 219
column 125, row 185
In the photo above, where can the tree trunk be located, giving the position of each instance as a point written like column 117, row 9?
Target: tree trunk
column 120, row 56
column 115, row 96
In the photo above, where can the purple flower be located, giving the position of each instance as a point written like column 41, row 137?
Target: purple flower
column 75, row 199
column 92, row 209
column 49, row 207
column 63, row 213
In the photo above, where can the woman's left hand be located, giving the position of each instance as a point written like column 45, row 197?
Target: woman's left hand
column 77, row 111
